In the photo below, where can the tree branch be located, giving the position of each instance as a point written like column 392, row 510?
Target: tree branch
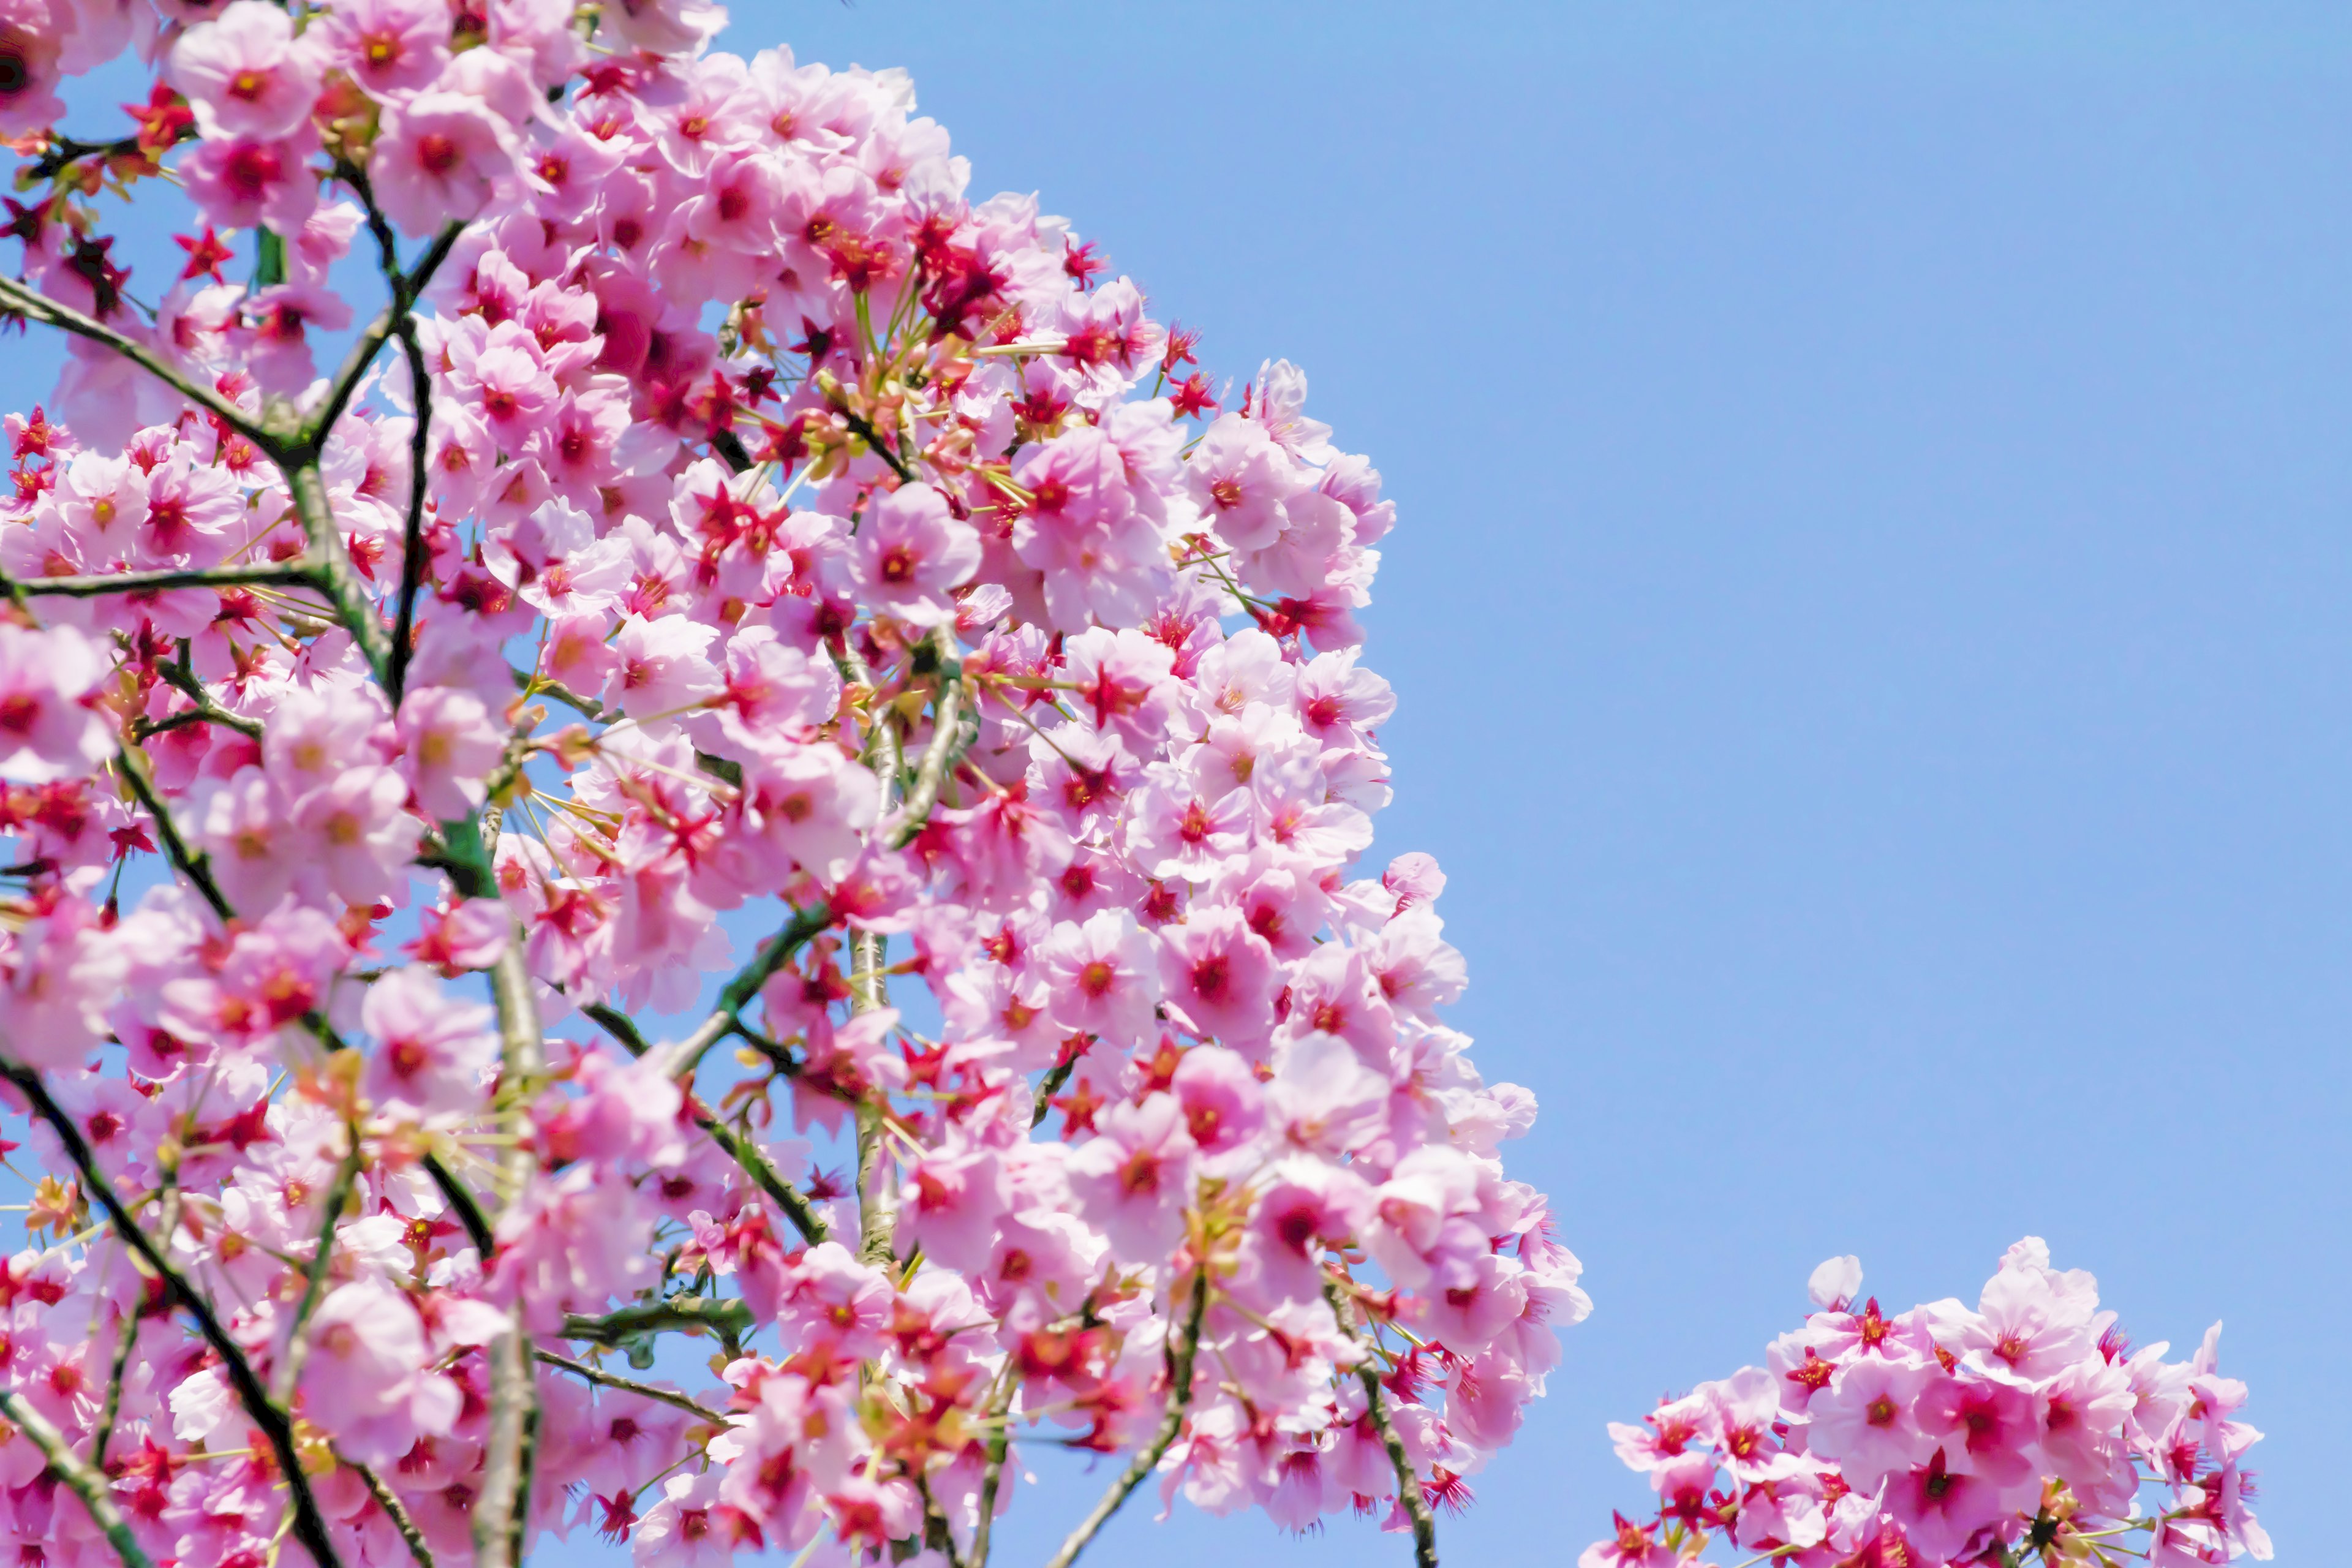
column 738, row 1148
column 310, row 1524
column 180, row 677
column 337, row 576
column 631, row 1385
column 388, row 1501
column 728, row 1320
column 412, row 538
column 167, row 833
column 770, row 1180
column 946, row 745
column 737, row 994
column 501, row 1517
column 469, row 1213
column 991, row 1474
column 1180, row 1353
column 40, row 308
column 287, row 1374
column 84, row 1482
column 399, row 321
column 1410, row 1495
column 275, row 574
column 403, row 289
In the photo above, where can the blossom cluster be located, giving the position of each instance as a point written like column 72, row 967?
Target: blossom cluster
column 726, row 522
column 2026, row 1425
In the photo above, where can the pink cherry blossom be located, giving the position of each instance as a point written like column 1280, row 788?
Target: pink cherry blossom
column 50, row 724
column 448, row 746
column 244, row 73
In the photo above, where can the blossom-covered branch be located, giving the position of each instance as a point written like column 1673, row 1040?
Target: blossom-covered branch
column 900, row 619
column 2025, row 1427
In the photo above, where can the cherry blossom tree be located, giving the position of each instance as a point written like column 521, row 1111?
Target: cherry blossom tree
column 717, row 518
column 2025, row 1427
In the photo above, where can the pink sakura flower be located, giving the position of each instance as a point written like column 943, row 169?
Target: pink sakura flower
column 1835, row 1283
column 576, row 653
column 774, row 693
column 1866, row 1420
column 1415, row 968
column 1682, row 1484
column 1103, row 978
column 1419, row 1213
column 1240, row 480
column 314, row 734
column 435, row 1054
column 59, row 974
column 835, row 1301
column 105, row 495
column 248, row 833
column 1134, row 1178
column 1941, row 1507
column 506, row 380
column 254, row 182
column 362, row 836
column 448, row 746
column 1173, row 831
column 811, row 806
column 1308, row 1206
column 1324, row 1098
column 1332, row 993
column 471, row 934
column 910, row 551
column 2031, row 1320
column 570, row 1243
column 1747, row 1404
column 1123, row 682
column 691, row 1528
column 1223, row 1106
column 1985, row 1421
column 440, row 156
column 664, row 667
column 50, row 724
column 1633, row 1546
column 32, row 38
column 388, row 46
column 366, row 1379
column 1340, row 704
column 244, row 73
column 2079, row 1413
column 1221, row 974
column 278, row 341
column 950, row 1203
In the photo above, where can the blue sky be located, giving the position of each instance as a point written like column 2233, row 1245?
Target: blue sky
column 1871, row 609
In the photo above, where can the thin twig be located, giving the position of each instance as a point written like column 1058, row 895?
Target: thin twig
column 469, row 1212
column 946, row 745
column 737, row 994
column 389, row 1501
column 84, row 1482
column 277, row 574
column 40, row 308
column 738, row 1148
column 1180, row 1353
column 289, row 1371
column 668, row 1396
column 1409, row 1493
column 167, row 833
column 991, row 1474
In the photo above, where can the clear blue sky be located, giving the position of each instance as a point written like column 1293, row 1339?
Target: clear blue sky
column 1873, row 613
